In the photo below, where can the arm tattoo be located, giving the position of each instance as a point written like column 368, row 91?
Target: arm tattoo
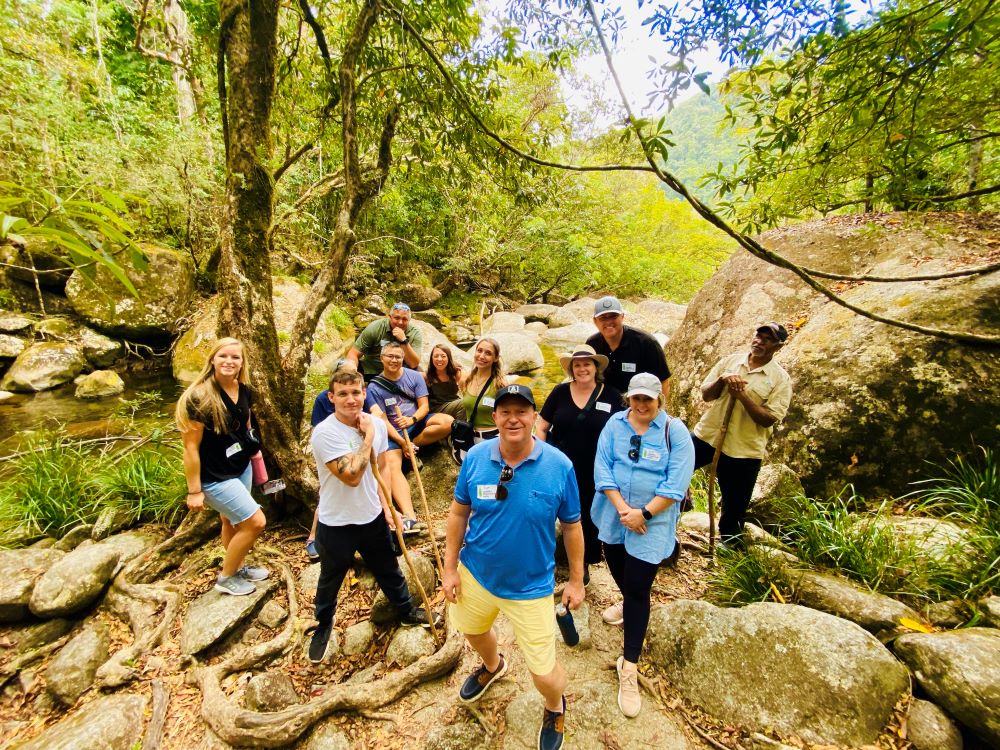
column 354, row 464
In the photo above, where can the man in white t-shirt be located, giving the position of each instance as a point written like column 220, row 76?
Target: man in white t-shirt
column 351, row 514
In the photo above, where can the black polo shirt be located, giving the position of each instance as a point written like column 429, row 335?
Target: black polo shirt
column 637, row 352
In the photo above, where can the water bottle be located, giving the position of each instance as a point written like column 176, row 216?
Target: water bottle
column 566, row 625
column 259, row 471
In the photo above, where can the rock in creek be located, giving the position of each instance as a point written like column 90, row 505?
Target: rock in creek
column 10, row 346
column 566, row 337
column 19, row 571
column 960, row 671
column 43, row 366
column 214, row 615
column 14, row 323
column 114, row 722
column 73, row 668
column 100, row 350
column 100, row 384
column 519, row 351
column 74, row 582
column 503, row 322
column 779, row 666
column 536, row 313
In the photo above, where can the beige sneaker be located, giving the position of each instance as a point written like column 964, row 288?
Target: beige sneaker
column 629, row 700
column 615, row 614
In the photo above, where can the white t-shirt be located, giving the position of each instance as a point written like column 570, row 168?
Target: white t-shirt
column 339, row 503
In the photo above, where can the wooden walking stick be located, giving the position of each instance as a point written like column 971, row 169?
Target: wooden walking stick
column 711, row 475
column 386, row 499
column 423, row 497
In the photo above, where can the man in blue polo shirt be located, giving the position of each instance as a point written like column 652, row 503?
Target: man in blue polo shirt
column 509, row 493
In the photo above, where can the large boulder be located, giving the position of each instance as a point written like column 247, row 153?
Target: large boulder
column 536, row 313
column 165, row 291
column 19, row 570
column 872, row 403
column 10, row 346
column 503, row 321
column 418, row 296
column 775, row 484
column 566, row 337
column 781, row 667
column 382, row 609
column 74, row 582
column 431, row 337
column 114, row 722
column 11, row 322
column 44, row 365
column 53, row 270
column 73, row 668
column 100, row 350
column 876, row 613
column 194, row 346
column 959, row 671
column 519, row 351
column 656, row 316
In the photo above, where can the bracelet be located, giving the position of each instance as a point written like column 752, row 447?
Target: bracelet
column 194, row 493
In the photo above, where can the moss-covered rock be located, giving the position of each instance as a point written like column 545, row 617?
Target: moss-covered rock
column 333, row 334
column 872, row 403
column 100, row 384
column 166, row 289
column 43, row 366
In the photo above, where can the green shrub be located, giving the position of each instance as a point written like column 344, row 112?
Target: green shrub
column 48, row 488
column 744, row 577
column 147, row 483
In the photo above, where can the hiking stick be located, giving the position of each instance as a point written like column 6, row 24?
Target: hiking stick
column 423, row 496
column 386, row 500
column 711, row 475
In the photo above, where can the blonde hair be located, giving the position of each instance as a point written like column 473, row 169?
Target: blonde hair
column 202, row 400
column 496, row 370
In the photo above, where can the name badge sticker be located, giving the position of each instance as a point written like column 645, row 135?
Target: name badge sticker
column 628, row 366
column 233, row 449
column 486, row 491
column 391, row 401
column 601, row 406
column 650, row 454
column 487, row 401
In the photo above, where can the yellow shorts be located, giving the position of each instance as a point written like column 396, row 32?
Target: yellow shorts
column 534, row 620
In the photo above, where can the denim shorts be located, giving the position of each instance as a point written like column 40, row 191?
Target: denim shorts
column 231, row 497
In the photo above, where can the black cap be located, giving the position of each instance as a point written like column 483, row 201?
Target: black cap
column 776, row 328
column 521, row 391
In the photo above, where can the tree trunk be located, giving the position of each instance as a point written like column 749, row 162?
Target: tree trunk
column 187, row 88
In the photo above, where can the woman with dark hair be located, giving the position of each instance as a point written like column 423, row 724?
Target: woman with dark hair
column 572, row 419
column 213, row 416
column 443, row 376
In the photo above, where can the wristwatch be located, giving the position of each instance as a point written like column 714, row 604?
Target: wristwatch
column 646, row 514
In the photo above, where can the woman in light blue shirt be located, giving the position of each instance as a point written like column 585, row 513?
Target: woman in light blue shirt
column 643, row 468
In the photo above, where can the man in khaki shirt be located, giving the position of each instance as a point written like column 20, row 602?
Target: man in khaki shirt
column 763, row 391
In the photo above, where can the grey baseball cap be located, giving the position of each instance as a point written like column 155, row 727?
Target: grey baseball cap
column 608, row 306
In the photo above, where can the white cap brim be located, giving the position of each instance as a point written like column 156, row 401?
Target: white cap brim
column 642, row 392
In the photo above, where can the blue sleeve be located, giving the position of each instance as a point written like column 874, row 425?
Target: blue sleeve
column 569, row 506
column 322, row 408
column 419, row 384
column 604, row 462
column 371, row 401
column 462, row 495
column 680, row 464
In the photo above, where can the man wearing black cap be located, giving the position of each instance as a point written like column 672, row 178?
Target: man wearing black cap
column 629, row 350
column 762, row 390
column 500, row 553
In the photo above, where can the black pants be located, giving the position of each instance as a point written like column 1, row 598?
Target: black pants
column 737, row 477
column 634, row 578
column 336, row 546
column 591, row 543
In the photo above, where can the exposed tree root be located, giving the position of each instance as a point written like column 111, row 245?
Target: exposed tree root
column 154, row 730
column 15, row 665
column 117, row 670
column 244, row 728
column 154, row 564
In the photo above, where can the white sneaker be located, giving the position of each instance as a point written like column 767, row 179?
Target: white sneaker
column 252, row 573
column 235, row 585
column 615, row 614
column 629, row 699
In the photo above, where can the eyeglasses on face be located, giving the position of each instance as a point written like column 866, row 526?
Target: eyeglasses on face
column 635, row 442
column 392, row 357
column 506, row 474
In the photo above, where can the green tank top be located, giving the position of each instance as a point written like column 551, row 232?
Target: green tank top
column 483, row 418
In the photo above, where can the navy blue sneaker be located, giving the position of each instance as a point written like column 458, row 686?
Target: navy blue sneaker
column 550, row 736
column 477, row 682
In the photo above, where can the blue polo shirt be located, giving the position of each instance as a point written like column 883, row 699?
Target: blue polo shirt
column 510, row 544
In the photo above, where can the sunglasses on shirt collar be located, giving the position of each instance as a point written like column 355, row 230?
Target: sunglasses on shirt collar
column 506, row 474
column 635, row 442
